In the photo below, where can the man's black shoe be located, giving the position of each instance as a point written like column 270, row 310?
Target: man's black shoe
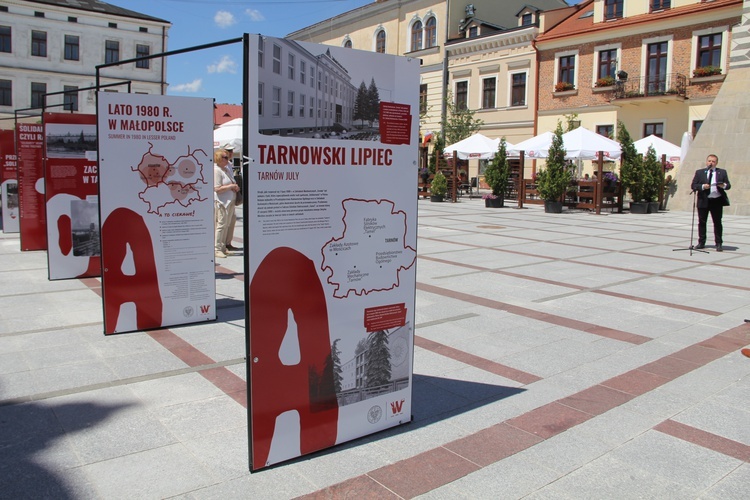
column 719, row 248
column 700, row 245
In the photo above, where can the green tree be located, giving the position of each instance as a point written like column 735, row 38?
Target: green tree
column 498, row 170
column 553, row 180
column 437, row 150
column 373, row 102
column 378, row 363
column 360, row 103
column 459, row 123
column 653, row 175
column 631, row 171
column 335, row 360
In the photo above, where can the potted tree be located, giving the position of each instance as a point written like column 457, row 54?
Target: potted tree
column 632, row 172
column 496, row 176
column 654, row 180
column 439, row 187
column 552, row 182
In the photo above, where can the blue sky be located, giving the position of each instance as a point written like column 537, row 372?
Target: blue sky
column 217, row 72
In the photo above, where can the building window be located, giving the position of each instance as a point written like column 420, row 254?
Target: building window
column 489, row 87
column 696, row 127
column 261, row 48
column 462, row 95
column 430, row 33
column 291, row 63
column 380, row 42
column 656, row 129
column 38, row 90
column 5, row 39
column 660, row 4
column 39, row 43
column 38, row 14
column 142, row 29
column 112, row 25
column 6, row 93
column 302, row 105
column 290, row 104
column 277, row 59
column 70, row 98
column 72, row 19
column 606, row 131
column 111, row 51
column 709, row 50
column 527, row 19
column 422, row 98
column 607, row 63
column 348, row 44
column 518, row 89
column 416, row 36
column 276, row 102
column 302, row 71
column 260, row 98
column 72, row 48
column 142, row 51
column 613, row 9
column 312, row 77
column 567, row 70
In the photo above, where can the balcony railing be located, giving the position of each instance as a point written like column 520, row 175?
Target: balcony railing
column 649, row 86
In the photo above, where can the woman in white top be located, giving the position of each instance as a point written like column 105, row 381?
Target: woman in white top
column 225, row 192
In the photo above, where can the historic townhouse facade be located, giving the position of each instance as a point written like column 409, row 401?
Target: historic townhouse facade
column 656, row 65
column 49, row 46
column 435, row 31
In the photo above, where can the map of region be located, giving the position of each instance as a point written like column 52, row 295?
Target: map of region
column 372, row 251
column 170, row 183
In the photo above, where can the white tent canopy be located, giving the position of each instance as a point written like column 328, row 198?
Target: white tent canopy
column 536, row 147
column 475, row 147
column 580, row 144
column 661, row 147
column 229, row 133
column 584, row 144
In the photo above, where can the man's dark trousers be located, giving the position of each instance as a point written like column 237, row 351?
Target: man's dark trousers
column 715, row 208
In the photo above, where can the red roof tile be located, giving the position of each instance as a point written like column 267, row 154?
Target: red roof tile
column 575, row 25
column 225, row 112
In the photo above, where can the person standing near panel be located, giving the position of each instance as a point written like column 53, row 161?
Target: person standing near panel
column 710, row 184
column 225, row 189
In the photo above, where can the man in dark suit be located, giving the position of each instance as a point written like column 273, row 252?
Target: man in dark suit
column 711, row 184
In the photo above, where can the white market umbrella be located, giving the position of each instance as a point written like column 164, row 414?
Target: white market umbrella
column 536, row 147
column 661, row 147
column 584, row 144
column 474, row 147
column 229, row 133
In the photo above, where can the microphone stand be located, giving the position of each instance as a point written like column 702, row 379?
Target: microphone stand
column 692, row 229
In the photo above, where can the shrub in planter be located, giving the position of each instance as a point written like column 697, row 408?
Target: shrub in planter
column 607, row 81
column 553, row 181
column 653, row 176
column 498, row 170
column 439, row 186
column 632, row 173
column 706, row 71
column 563, row 86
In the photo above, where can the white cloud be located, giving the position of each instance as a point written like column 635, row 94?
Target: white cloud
column 254, row 15
column 224, row 19
column 225, row 65
column 191, row 87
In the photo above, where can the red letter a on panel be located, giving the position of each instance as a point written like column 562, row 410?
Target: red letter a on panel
column 287, row 280
column 124, row 227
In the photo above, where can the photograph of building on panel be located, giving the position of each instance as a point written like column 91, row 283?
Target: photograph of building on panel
column 70, row 140
column 315, row 95
column 85, row 227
